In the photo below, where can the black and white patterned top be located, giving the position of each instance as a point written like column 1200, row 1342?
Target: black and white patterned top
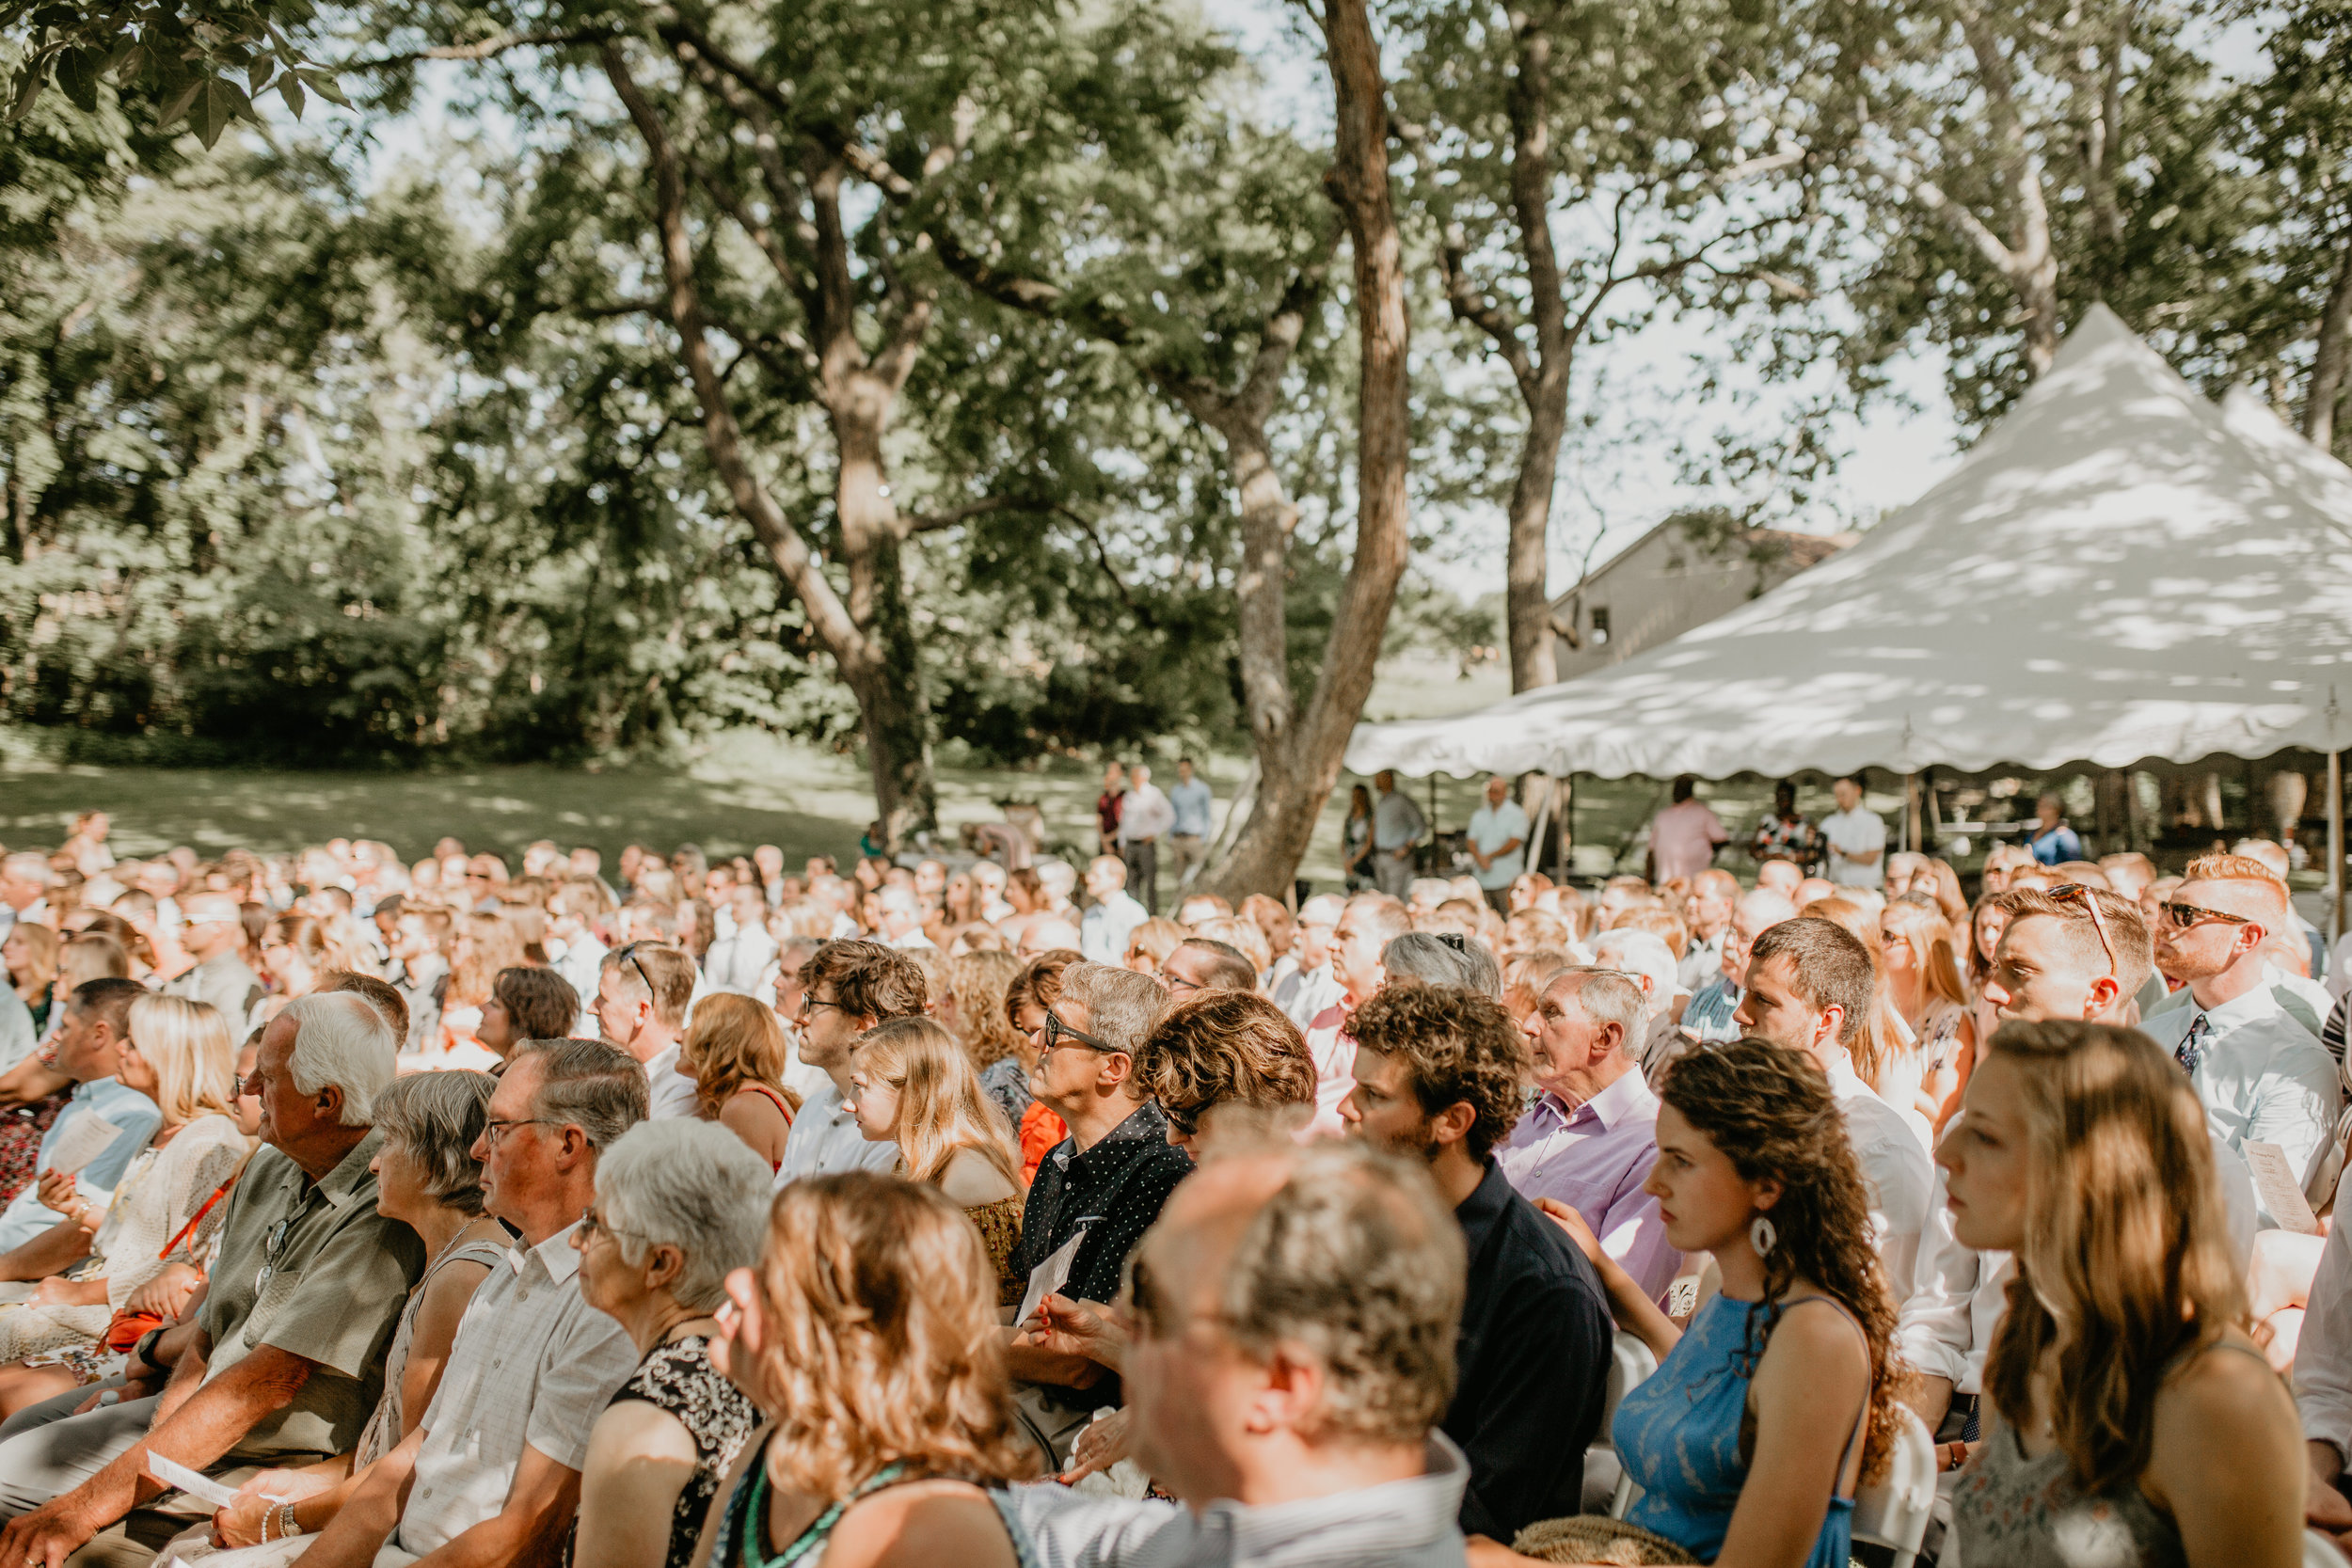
column 677, row 1376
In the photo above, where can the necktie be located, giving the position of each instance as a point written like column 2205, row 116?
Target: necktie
column 2192, row 1047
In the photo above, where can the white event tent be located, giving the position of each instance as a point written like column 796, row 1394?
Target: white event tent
column 2118, row 570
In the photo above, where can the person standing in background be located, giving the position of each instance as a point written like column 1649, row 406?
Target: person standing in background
column 1856, row 836
column 1144, row 816
column 2052, row 841
column 1107, row 806
column 1683, row 838
column 1188, row 839
column 1397, row 825
column 1498, row 843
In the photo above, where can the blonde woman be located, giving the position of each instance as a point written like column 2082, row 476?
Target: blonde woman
column 2127, row 1416
column 973, row 1009
column 30, row 953
column 737, row 1052
column 916, row 1087
column 1887, row 1051
column 868, row 1336
column 1921, row 977
column 149, row 1240
column 483, row 945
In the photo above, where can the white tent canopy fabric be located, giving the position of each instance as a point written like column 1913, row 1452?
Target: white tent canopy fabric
column 2119, row 570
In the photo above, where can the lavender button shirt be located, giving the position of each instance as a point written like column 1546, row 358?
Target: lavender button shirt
column 1594, row 1158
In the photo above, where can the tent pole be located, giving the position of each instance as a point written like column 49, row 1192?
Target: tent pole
column 2335, row 848
column 1568, row 834
column 1911, row 813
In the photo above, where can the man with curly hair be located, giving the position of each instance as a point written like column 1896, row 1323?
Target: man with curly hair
column 1437, row 1075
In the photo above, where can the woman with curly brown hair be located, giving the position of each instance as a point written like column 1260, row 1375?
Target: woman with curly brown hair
column 974, row 1011
column 868, row 1334
column 2114, row 1434
column 1779, row 1398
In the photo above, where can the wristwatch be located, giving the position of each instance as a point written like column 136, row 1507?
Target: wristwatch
column 142, row 1352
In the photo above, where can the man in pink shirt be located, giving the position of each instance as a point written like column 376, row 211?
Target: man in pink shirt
column 1683, row 838
column 1591, row 1137
column 1368, row 923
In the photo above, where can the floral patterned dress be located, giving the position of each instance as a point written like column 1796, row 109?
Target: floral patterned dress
column 676, row 1376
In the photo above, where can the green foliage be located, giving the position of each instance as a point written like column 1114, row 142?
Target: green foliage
column 201, row 61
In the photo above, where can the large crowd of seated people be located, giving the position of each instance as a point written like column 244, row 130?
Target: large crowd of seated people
column 357, row 1210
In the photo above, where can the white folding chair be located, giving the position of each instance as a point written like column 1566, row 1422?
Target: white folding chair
column 2320, row 1552
column 1893, row 1510
column 1629, row 1364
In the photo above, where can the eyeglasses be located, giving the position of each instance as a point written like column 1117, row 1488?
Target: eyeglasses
column 1057, row 1032
column 493, row 1131
column 2182, row 916
column 590, row 1224
column 1176, row 982
column 271, row 1244
column 2082, row 891
column 810, row 1002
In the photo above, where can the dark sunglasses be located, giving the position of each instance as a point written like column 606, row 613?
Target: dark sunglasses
column 1057, row 1032
column 2184, row 916
column 1186, row 1119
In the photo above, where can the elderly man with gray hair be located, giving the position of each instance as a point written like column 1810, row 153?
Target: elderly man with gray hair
column 282, row 1364
column 491, row 1475
column 1591, row 1137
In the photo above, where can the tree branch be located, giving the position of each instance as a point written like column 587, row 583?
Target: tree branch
column 485, row 49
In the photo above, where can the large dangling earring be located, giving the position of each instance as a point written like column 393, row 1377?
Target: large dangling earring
column 1761, row 1235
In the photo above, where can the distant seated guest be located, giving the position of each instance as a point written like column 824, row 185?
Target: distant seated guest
column 916, row 1090
column 1221, row 1049
column 1027, row 998
column 1204, row 964
column 282, row 1364
column 492, row 1473
column 1708, row 1019
column 1294, row 1312
column 2126, row 1405
column 35, row 1239
column 679, row 1207
column 1438, row 1076
column 1780, row 1398
column 973, row 1012
column 526, row 1003
column 643, row 989
column 866, row 1334
column 167, row 1206
column 735, row 1054
column 1591, row 1137
column 1443, row 959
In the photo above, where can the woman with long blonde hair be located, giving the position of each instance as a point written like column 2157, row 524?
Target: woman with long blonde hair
column 914, row 1087
column 2129, row 1419
column 868, row 1334
column 148, row 1243
column 1920, row 975
column 30, row 953
column 735, row 1052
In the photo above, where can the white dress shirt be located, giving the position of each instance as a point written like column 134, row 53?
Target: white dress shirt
column 533, row 1364
column 1856, row 832
column 1143, row 813
column 736, row 962
column 672, row 1093
column 2323, row 1357
column 582, row 965
column 825, row 1139
column 1895, row 1169
column 1103, row 930
column 1304, row 993
column 2262, row 1076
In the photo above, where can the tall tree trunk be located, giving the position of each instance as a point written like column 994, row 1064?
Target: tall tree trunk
column 1296, row 780
column 2333, row 359
column 1527, row 605
column 868, row 636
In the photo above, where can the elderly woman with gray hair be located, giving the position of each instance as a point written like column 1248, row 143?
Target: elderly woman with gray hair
column 428, row 1180
column 679, row 1206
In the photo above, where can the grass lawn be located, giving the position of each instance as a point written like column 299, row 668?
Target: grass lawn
column 740, row 791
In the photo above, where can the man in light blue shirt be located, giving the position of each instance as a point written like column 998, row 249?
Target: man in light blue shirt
column 1397, row 825
column 90, row 1040
column 1498, row 843
column 2262, row 1076
column 1188, row 840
